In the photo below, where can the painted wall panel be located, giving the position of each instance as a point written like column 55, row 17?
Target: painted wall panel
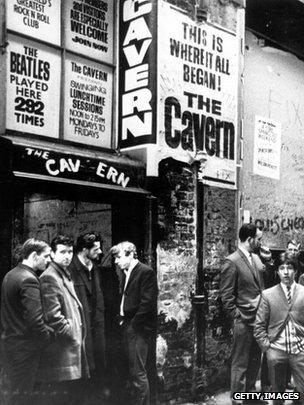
column 273, row 89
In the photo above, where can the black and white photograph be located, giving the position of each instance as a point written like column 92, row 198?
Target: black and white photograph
column 151, row 202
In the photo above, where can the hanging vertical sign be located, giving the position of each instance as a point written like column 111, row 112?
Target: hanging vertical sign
column 89, row 28
column 137, row 73
column 197, row 96
column 88, row 102
column 39, row 19
column 33, row 88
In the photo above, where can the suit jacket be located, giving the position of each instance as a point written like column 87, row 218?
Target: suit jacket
column 25, row 334
column 89, row 292
column 140, row 303
column 274, row 312
column 64, row 359
column 241, row 285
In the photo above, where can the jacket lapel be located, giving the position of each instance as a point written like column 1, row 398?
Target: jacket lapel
column 82, row 275
column 132, row 276
column 68, row 283
column 252, row 268
column 283, row 295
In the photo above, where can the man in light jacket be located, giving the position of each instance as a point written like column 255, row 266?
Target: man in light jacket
column 64, row 361
column 279, row 327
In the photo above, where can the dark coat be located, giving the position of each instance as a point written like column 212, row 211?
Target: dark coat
column 274, row 312
column 241, row 285
column 64, row 359
column 140, row 303
column 25, row 334
column 89, row 291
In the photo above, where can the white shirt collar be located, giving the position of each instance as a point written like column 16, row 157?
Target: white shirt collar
column 246, row 253
column 292, row 287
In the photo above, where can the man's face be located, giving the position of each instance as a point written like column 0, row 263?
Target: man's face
column 294, row 249
column 63, row 255
column 43, row 259
column 286, row 273
column 94, row 252
column 122, row 260
column 255, row 243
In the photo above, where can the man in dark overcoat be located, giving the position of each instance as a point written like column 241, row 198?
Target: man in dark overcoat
column 25, row 333
column 85, row 275
column 64, row 361
column 138, row 314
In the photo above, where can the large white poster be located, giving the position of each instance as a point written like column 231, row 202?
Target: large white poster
column 197, row 95
column 89, row 28
column 33, row 88
column 88, row 102
column 39, row 19
column 267, row 147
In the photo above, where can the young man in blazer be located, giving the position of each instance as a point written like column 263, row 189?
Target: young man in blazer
column 63, row 361
column 138, row 314
column 25, row 333
column 279, row 327
column 241, row 285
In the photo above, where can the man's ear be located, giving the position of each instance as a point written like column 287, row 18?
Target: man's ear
column 33, row 257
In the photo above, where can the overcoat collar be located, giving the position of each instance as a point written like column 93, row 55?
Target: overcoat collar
column 67, row 281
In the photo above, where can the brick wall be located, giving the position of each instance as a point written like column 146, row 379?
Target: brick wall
column 176, row 267
column 220, row 221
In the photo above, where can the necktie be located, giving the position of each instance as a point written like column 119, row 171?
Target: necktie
column 289, row 294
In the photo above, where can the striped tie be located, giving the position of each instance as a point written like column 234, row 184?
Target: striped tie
column 288, row 294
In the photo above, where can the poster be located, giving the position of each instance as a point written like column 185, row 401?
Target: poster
column 88, row 102
column 267, row 147
column 38, row 19
column 89, row 28
column 197, row 95
column 33, row 88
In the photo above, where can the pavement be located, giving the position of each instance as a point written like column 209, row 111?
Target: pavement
column 223, row 398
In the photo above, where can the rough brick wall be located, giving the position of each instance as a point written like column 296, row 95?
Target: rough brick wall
column 220, row 225
column 176, row 267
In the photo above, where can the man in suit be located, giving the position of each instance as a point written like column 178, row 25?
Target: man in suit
column 279, row 327
column 25, row 333
column 86, row 278
column 138, row 314
column 64, row 361
column 241, row 285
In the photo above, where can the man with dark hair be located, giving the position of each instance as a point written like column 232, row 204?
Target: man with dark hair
column 85, row 274
column 280, row 333
column 138, row 314
column 241, row 285
column 64, row 361
column 25, row 334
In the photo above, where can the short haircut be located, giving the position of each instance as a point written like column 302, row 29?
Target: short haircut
column 288, row 258
column 126, row 247
column 247, row 231
column 293, row 242
column 87, row 240
column 61, row 240
column 32, row 245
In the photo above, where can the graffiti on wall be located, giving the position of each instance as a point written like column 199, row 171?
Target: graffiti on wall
column 278, row 223
column 176, row 278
